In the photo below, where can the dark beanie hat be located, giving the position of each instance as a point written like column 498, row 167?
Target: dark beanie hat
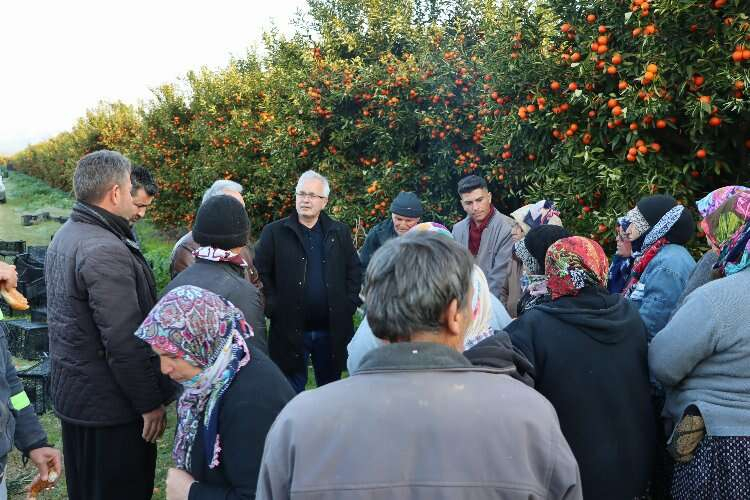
column 540, row 238
column 221, row 222
column 407, row 204
column 653, row 209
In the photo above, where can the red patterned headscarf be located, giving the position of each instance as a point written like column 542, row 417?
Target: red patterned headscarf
column 575, row 263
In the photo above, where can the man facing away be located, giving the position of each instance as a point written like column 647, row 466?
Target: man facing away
column 486, row 233
column 418, row 420
column 311, row 279
column 106, row 385
column 182, row 253
column 406, row 212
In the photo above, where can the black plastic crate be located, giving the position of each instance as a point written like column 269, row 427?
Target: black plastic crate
column 28, row 267
column 39, row 314
column 12, row 248
column 38, row 253
column 27, row 339
column 34, row 289
column 36, row 382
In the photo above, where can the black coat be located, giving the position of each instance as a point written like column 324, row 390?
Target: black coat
column 255, row 397
column 99, row 290
column 281, row 261
column 376, row 238
column 227, row 280
column 590, row 360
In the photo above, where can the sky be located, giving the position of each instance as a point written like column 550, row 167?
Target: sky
column 60, row 58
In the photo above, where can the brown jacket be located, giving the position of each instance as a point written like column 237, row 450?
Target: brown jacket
column 513, row 286
column 182, row 258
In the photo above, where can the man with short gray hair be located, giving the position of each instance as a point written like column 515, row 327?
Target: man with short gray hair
column 183, row 252
column 418, row 420
column 311, row 279
column 106, row 385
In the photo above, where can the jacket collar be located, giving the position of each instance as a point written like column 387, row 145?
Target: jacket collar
column 326, row 223
column 91, row 214
column 416, row 356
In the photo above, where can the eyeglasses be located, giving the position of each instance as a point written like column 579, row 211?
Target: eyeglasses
column 311, row 196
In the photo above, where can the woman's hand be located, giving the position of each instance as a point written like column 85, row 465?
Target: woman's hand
column 178, row 484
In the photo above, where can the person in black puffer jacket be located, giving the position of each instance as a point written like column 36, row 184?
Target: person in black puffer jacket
column 590, row 358
column 221, row 229
column 232, row 394
column 106, row 385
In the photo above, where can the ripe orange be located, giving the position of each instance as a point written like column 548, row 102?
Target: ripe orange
column 648, row 77
column 616, row 59
column 653, row 68
column 642, row 149
column 590, row 18
column 602, row 49
column 602, row 29
column 573, row 86
column 739, row 85
column 587, row 140
column 656, row 147
column 554, row 85
column 602, row 40
column 650, row 29
column 637, row 32
column 565, row 27
column 737, row 56
column 700, row 154
column 634, row 126
column 661, row 123
column 622, row 85
column 698, row 80
column 575, row 57
column 612, row 70
column 612, row 103
column 617, row 111
column 714, row 121
column 705, row 99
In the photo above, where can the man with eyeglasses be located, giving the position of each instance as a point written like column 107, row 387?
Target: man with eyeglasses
column 311, row 278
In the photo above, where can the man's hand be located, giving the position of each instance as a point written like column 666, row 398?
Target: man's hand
column 178, row 484
column 46, row 459
column 154, row 423
column 8, row 276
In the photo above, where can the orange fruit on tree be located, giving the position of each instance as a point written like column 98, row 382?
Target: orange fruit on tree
column 573, row 86
column 739, row 85
column 575, row 57
column 698, row 80
column 637, row 32
column 602, row 49
column 612, row 70
column 714, row 121
column 706, row 99
column 565, row 27
column 602, row 29
column 587, row 139
column 554, row 85
column 590, row 18
column 617, row 111
column 649, row 30
column 634, row 126
column 648, row 77
column 656, row 147
column 700, row 154
column 616, row 59
column 622, row 85
column 653, row 68
column 642, row 149
column 661, row 123
column 602, row 40
column 612, row 103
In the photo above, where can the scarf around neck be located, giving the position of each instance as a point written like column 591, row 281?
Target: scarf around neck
column 219, row 255
column 210, row 333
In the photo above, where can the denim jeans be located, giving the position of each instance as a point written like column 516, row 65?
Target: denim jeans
column 317, row 343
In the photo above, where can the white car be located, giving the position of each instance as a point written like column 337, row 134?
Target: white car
column 2, row 191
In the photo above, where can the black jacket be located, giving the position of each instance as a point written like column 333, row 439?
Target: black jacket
column 99, row 290
column 227, row 280
column 590, row 358
column 376, row 238
column 248, row 408
column 281, row 262
column 497, row 351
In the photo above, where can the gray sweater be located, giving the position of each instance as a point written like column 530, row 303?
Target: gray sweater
column 701, row 356
column 495, row 251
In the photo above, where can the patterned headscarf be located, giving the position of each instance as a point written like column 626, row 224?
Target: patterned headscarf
column 208, row 332
column 713, row 200
column 727, row 226
column 481, row 310
column 532, row 265
column 574, row 263
column 433, row 227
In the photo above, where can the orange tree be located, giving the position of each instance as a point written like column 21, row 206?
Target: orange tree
column 592, row 104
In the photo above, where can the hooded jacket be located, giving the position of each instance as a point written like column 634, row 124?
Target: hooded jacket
column 590, row 360
column 418, row 421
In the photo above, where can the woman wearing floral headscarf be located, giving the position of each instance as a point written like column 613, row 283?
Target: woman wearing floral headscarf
column 232, row 393
column 703, row 272
column 700, row 358
column 531, row 251
column 658, row 228
column 588, row 348
column 526, row 218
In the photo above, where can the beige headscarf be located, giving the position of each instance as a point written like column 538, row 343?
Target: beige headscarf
column 481, row 309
